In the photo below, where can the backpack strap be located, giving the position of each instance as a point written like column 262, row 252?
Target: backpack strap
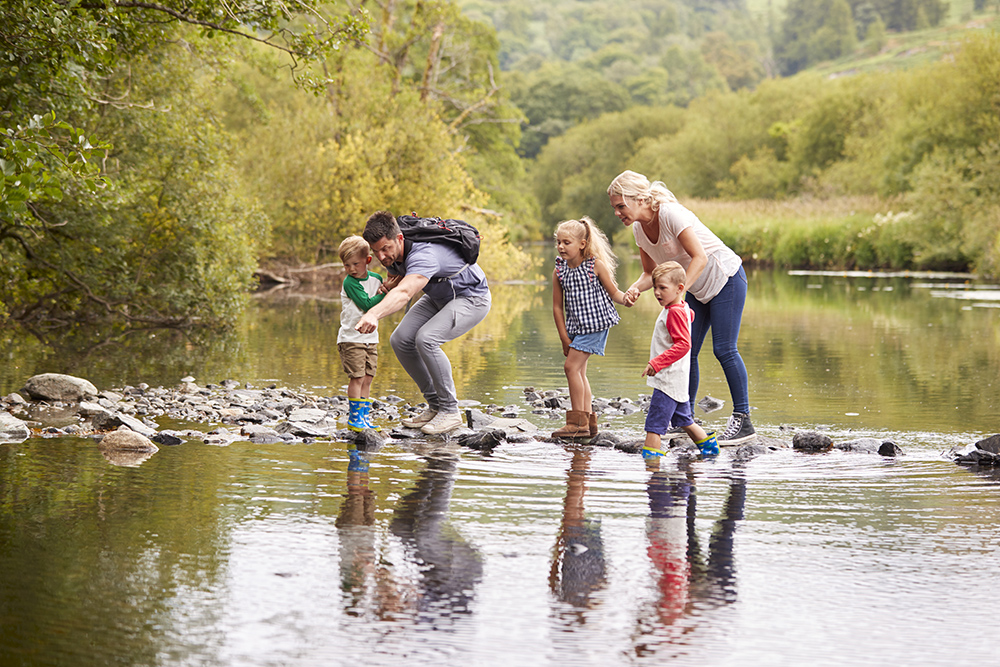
column 441, row 280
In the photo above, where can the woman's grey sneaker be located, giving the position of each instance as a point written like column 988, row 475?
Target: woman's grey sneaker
column 738, row 430
column 419, row 420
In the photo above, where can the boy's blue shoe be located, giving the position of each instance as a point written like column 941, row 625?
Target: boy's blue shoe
column 366, row 414
column 649, row 453
column 355, row 420
column 709, row 446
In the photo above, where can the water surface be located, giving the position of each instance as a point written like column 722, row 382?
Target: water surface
column 300, row 554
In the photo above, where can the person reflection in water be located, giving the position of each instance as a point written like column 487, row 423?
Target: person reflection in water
column 687, row 581
column 450, row 568
column 368, row 586
column 578, row 567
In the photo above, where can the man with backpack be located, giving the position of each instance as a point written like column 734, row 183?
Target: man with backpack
column 456, row 298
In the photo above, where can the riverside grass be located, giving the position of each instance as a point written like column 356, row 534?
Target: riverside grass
column 859, row 232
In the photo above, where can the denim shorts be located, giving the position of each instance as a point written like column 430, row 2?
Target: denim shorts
column 591, row 343
column 665, row 412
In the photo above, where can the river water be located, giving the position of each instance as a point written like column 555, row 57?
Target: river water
column 422, row 553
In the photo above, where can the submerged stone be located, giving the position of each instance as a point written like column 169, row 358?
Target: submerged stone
column 13, row 429
column 125, row 439
column 811, row 441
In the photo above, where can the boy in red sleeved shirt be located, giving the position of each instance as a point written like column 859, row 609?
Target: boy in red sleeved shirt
column 670, row 365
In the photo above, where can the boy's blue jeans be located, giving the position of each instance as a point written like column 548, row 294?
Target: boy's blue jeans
column 723, row 314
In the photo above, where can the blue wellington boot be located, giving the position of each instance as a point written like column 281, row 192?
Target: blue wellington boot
column 649, row 453
column 366, row 414
column 355, row 421
column 709, row 446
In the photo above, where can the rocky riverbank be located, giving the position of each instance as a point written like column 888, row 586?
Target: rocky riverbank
column 126, row 421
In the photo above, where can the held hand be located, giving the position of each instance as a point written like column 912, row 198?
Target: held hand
column 390, row 282
column 631, row 295
column 650, row 371
column 367, row 323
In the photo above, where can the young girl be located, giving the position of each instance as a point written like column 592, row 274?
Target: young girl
column 583, row 289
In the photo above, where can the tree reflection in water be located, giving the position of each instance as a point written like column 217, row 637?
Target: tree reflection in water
column 690, row 584
column 578, row 566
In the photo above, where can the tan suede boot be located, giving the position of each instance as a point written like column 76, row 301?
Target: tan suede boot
column 592, row 423
column 577, row 425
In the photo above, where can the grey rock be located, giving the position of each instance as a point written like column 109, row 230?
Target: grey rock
column 483, row 441
column 811, row 441
column 890, row 449
column 308, row 415
column 633, row 446
column 990, row 444
column 751, row 451
column 710, row 404
column 88, row 409
column 14, row 399
column 167, row 439
column 368, row 440
column 606, row 439
column 13, row 429
column 861, row 445
column 300, row 430
column 59, row 387
column 125, row 439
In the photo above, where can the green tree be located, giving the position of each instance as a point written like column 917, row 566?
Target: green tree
column 94, row 198
column 813, row 31
column 572, row 173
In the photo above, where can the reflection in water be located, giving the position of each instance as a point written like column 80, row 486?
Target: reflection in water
column 687, row 584
column 578, row 567
column 358, row 535
column 449, row 567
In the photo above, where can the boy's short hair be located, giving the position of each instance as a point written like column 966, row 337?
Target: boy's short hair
column 353, row 246
column 673, row 272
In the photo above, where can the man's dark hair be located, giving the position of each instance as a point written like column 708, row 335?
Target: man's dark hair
column 381, row 224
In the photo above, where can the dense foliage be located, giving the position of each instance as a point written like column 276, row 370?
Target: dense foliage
column 929, row 135
column 118, row 202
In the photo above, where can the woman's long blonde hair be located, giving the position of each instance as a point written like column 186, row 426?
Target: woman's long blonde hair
column 597, row 244
column 635, row 186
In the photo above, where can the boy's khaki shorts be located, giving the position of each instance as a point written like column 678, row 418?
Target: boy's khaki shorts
column 359, row 359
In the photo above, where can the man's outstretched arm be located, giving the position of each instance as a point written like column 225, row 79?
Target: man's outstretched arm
column 394, row 301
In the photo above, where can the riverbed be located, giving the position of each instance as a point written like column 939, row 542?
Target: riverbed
column 540, row 553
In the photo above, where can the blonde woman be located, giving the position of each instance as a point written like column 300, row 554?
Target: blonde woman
column 716, row 282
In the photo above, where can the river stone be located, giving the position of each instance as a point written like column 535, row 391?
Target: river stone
column 166, row 438
column 750, row 451
column 861, row 445
column 990, row 444
column 811, row 441
column 367, row 440
column 483, row 441
column 105, row 421
column 14, row 399
column 127, row 440
column 633, row 446
column 710, row 404
column 13, row 429
column 58, row 387
column 300, row 430
column 308, row 415
column 889, row 449
column 88, row 409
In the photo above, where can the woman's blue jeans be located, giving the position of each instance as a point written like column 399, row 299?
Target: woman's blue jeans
column 723, row 314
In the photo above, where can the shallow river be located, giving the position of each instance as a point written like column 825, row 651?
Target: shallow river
column 540, row 554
